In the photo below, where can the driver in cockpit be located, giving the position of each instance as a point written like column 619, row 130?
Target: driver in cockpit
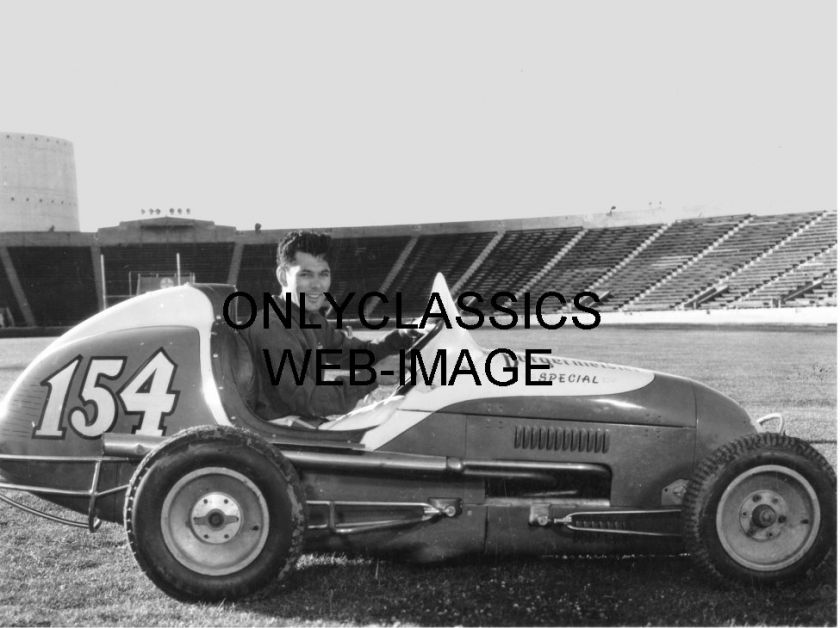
column 303, row 270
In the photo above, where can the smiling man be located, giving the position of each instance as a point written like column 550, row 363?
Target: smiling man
column 285, row 354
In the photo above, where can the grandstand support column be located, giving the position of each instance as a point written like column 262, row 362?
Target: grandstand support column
column 96, row 265
column 17, row 288
column 798, row 292
column 478, row 261
column 392, row 274
column 235, row 263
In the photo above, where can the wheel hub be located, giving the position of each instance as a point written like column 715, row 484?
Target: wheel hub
column 215, row 521
column 763, row 515
column 216, row 518
column 768, row 517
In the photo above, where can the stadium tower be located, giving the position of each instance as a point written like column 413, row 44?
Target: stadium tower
column 37, row 183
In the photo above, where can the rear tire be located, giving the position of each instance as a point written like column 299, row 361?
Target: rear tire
column 215, row 514
column 760, row 510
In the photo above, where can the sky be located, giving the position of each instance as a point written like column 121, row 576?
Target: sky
column 327, row 114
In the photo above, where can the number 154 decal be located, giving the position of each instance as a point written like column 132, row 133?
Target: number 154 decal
column 147, row 393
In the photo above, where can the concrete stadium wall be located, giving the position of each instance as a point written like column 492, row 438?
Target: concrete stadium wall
column 37, row 183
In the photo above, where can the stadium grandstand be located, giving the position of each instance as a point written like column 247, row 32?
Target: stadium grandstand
column 633, row 263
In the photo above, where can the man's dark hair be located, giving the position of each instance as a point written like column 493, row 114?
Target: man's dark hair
column 316, row 244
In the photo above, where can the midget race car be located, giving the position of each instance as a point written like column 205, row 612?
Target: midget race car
column 141, row 415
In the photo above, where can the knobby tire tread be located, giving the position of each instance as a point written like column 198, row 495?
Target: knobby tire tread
column 709, row 472
column 200, row 434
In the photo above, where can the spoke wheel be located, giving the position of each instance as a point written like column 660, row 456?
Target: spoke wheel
column 761, row 510
column 215, row 513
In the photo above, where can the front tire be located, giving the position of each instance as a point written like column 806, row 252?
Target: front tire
column 761, row 510
column 215, row 514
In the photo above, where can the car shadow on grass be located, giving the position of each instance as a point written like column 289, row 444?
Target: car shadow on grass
column 596, row 591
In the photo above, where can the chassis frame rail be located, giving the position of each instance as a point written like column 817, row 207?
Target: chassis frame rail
column 427, row 511
column 135, row 447
column 93, row 493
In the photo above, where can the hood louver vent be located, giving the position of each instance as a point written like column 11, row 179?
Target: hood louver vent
column 559, row 439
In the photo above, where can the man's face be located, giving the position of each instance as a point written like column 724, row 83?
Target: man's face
column 309, row 275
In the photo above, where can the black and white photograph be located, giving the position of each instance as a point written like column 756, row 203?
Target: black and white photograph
column 418, row 314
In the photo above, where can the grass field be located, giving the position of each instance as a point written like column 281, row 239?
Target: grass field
column 54, row 575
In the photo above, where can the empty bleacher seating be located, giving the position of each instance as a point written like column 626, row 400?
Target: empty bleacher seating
column 360, row 265
column 826, row 292
column 590, row 258
column 257, row 270
column 12, row 314
column 790, row 288
column 57, row 282
column 517, row 257
column 209, row 262
column 818, row 235
column 751, row 240
column 734, row 261
column 448, row 253
column 678, row 244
